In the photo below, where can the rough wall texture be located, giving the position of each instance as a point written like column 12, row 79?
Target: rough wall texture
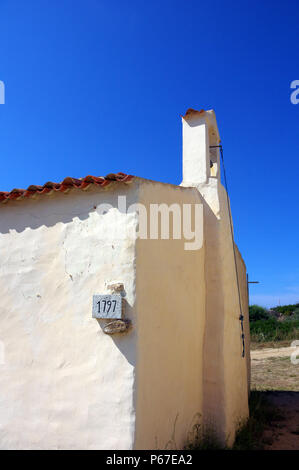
column 65, row 384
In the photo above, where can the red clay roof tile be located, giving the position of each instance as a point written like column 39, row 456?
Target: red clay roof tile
column 65, row 185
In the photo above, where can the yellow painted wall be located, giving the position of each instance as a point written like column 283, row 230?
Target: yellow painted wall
column 226, row 375
column 226, row 372
column 234, row 365
column 170, row 309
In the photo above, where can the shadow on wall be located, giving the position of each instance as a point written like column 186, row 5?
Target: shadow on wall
column 49, row 210
column 124, row 343
column 121, row 339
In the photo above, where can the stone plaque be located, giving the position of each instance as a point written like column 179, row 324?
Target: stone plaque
column 107, row 306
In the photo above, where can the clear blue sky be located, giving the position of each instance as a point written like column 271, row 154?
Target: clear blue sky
column 98, row 86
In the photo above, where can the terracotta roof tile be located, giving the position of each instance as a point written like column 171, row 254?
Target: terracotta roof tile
column 64, row 186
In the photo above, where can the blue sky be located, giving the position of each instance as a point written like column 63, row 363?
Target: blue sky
column 98, row 86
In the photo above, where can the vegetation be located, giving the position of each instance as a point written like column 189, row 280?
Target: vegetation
column 203, row 440
column 257, row 313
column 274, row 330
column 277, row 324
column 275, row 374
column 287, row 309
column 293, row 316
column 262, row 414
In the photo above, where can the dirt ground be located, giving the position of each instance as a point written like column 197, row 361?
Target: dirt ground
column 272, row 370
column 285, row 434
column 270, row 344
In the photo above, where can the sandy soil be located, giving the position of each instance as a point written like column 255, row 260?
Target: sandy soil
column 259, row 354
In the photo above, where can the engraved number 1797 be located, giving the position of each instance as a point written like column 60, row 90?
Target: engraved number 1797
column 106, row 306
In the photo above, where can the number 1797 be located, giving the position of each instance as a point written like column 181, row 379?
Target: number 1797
column 104, row 306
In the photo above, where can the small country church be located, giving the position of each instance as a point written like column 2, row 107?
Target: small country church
column 124, row 308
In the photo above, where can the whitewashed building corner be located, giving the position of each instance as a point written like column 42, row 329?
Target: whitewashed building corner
column 75, row 377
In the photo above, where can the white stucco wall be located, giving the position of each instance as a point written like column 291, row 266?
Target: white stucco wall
column 64, row 384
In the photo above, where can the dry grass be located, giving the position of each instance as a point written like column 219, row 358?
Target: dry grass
column 277, row 379
column 277, row 373
column 270, row 344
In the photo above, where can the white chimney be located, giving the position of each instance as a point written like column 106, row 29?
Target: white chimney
column 200, row 161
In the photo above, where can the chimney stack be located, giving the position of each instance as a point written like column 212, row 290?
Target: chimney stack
column 200, row 161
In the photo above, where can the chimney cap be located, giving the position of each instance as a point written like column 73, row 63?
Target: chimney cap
column 191, row 111
column 210, row 117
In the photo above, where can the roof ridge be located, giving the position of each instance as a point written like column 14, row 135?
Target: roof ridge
column 66, row 184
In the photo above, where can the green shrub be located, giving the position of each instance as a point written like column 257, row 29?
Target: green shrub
column 294, row 316
column 257, row 313
column 286, row 309
column 273, row 330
